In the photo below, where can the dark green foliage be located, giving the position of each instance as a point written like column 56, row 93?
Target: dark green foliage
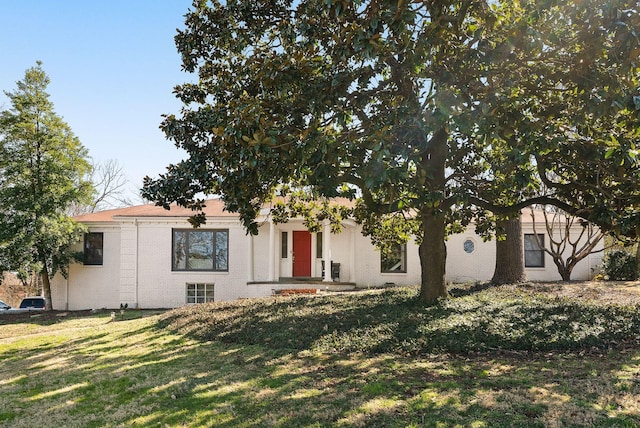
column 425, row 110
column 43, row 169
column 393, row 321
column 619, row 265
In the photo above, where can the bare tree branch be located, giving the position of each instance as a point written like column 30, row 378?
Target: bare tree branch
column 559, row 230
column 110, row 188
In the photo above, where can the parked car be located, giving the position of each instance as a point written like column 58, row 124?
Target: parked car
column 32, row 303
column 4, row 306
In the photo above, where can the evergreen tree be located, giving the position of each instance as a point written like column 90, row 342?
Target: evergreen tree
column 42, row 165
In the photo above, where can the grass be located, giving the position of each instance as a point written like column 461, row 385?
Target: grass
column 498, row 357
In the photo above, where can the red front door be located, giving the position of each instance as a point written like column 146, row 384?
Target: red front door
column 301, row 253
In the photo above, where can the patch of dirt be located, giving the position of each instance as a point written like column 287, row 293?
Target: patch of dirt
column 619, row 292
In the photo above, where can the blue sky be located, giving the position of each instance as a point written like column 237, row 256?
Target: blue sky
column 112, row 64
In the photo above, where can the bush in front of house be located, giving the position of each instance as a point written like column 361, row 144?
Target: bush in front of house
column 619, row 265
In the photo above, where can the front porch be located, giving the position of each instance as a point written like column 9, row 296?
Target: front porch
column 289, row 254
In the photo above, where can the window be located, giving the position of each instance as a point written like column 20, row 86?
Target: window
column 285, row 245
column 319, row 245
column 93, row 243
column 469, row 246
column 199, row 293
column 394, row 259
column 200, row 250
column 533, row 253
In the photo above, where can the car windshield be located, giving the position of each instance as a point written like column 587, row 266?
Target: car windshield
column 32, row 303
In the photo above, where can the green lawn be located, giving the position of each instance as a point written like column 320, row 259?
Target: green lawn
column 497, row 357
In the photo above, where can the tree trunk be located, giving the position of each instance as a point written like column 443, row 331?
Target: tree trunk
column 565, row 273
column 637, row 258
column 433, row 252
column 564, row 269
column 433, row 256
column 46, row 289
column 509, row 267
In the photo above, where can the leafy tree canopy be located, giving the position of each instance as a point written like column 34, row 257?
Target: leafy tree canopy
column 572, row 114
column 430, row 110
column 41, row 168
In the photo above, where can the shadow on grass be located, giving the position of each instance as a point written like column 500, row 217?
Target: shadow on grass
column 395, row 321
column 133, row 373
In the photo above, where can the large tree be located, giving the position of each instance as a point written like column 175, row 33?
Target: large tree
column 574, row 116
column 571, row 122
column 394, row 102
column 42, row 165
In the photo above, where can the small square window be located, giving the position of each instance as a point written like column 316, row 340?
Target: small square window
column 93, row 248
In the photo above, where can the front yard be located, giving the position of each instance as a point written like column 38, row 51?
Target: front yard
column 367, row 359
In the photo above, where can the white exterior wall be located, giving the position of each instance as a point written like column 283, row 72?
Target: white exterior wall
column 128, row 263
column 160, row 287
column 137, row 269
column 368, row 269
column 92, row 287
column 59, row 292
column 137, row 264
column 341, row 253
column 475, row 266
column 261, row 253
column 480, row 264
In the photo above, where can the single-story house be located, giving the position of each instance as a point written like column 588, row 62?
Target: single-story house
column 148, row 257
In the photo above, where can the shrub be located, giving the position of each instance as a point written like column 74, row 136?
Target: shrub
column 619, row 265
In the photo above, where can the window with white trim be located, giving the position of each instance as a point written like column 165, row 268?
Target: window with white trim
column 394, row 259
column 199, row 293
column 200, row 250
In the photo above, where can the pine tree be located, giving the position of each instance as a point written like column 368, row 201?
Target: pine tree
column 42, row 165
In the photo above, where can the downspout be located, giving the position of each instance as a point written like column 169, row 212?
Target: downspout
column 135, row 222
